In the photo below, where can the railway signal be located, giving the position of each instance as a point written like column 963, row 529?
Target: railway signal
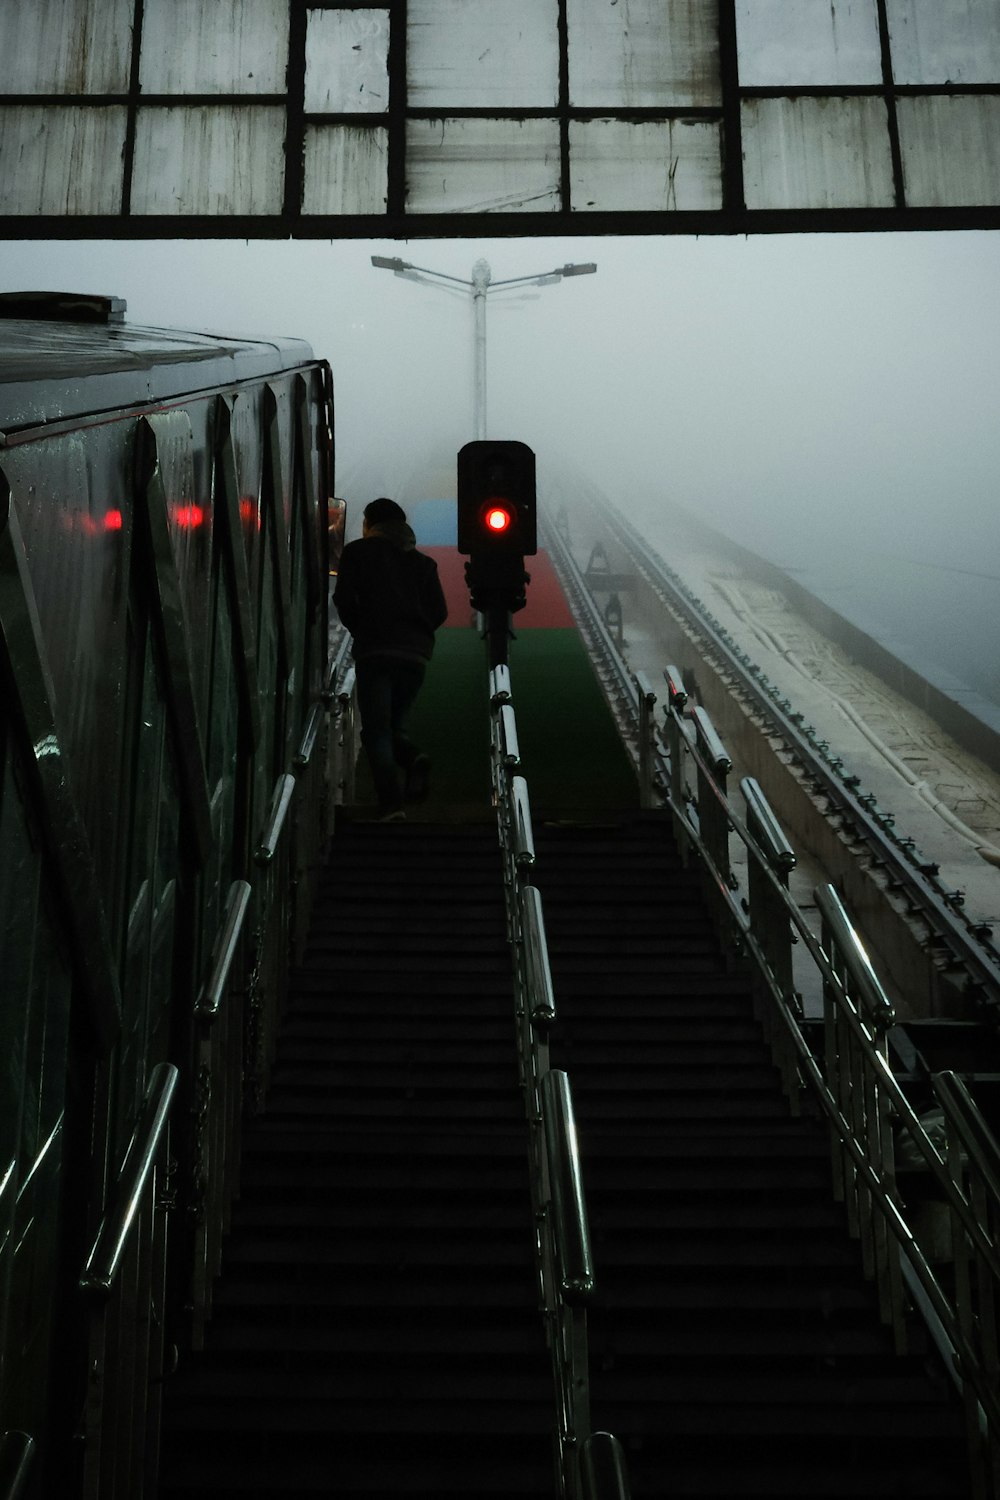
column 496, row 497
column 496, row 529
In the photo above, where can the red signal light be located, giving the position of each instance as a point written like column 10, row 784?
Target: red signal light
column 498, row 517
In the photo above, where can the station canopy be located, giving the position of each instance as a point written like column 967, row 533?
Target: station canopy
column 428, row 118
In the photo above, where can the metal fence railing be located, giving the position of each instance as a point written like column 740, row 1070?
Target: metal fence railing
column 591, row 1465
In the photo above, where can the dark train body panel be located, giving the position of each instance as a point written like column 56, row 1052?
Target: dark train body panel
column 163, row 526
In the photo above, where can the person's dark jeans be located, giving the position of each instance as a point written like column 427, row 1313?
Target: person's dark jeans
column 387, row 688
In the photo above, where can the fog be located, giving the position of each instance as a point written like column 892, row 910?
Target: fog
column 820, row 397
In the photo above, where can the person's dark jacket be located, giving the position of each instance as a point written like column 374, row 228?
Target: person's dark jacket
column 389, row 595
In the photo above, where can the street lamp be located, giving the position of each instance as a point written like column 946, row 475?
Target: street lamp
column 481, row 284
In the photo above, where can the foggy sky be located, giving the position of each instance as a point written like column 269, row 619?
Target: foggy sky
column 790, row 387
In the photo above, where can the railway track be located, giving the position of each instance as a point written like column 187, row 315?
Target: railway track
column 957, row 940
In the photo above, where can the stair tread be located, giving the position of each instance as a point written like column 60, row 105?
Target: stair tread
column 379, row 1302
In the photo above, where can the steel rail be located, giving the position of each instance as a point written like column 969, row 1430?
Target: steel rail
column 980, row 957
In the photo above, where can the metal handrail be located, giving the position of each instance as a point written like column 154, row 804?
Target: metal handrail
column 765, row 827
column 603, row 1475
column 284, row 790
column 847, row 941
column 719, row 758
column 346, row 688
column 577, row 1281
column 863, row 1021
column 307, row 744
column 226, row 945
column 562, row 1240
column 105, row 1257
column 17, row 1450
column 647, row 737
column 524, row 838
column 542, row 1000
column 978, row 1141
column 508, row 731
column 825, row 966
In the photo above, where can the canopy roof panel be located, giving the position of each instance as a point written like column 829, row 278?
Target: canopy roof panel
column 422, row 118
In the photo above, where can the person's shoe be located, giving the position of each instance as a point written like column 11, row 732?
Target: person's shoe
column 392, row 815
column 418, row 779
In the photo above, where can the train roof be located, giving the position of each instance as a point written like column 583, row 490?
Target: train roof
column 64, row 356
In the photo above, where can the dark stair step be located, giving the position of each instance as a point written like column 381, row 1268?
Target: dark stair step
column 472, row 1468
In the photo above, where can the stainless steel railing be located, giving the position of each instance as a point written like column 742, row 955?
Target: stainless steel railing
column 564, row 1259
column 239, row 1004
column 123, row 1279
column 869, row 1114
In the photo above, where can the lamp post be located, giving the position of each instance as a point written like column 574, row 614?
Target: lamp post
column 480, row 284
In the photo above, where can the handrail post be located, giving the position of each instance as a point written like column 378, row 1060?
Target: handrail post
column 853, row 1076
column 769, row 865
column 345, row 739
column 768, row 913
column 974, row 1161
column 647, row 702
column 676, row 703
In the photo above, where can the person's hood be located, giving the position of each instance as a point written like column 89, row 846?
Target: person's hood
column 397, row 532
